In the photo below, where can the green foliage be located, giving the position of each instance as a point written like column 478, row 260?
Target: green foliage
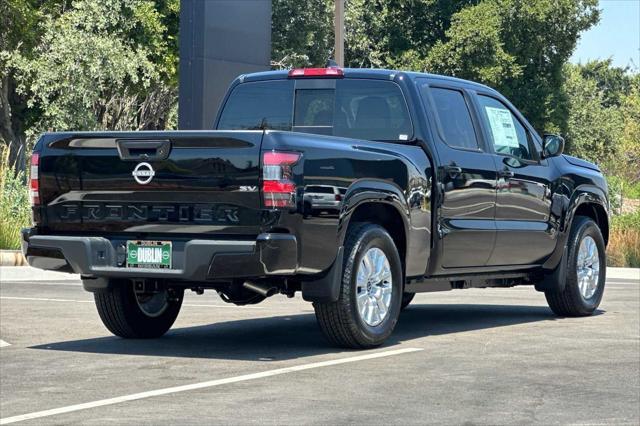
column 474, row 48
column 628, row 161
column 627, row 221
column 614, row 82
column 592, row 129
column 615, row 185
column 396, row 34
column 631, row 191
column 519, row 47
column 15, row 211
column 302, row 33
column 102, row 64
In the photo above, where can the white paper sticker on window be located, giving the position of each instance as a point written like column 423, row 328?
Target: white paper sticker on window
column 502, row 127
column 403, row 137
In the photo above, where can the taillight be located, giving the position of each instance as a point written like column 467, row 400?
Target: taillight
column 277, row 187
column 316, row 72
column 34, row 182
column 338, row 197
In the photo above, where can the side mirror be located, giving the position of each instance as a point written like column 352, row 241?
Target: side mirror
column 552, row 145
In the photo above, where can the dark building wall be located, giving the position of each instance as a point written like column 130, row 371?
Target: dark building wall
column 219, row 40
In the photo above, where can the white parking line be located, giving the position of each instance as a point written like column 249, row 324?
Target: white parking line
column 51, row 283
column 202, row 385
column 4, row 344
column 42, row 299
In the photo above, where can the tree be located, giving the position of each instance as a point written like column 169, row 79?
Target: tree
column 302, row 33
column 396, row 33
column 593, row 129
column 19, row 31
column 91, row 64
column 629, row 160
column 519, row 47
column 475, row 51
column 614, row 82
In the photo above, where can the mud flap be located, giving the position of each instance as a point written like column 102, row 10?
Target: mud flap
column 327, row 288
column 555, row 280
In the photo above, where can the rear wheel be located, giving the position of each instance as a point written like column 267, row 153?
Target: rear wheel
column 133, row 314
column 371, row 291
column 586, row 271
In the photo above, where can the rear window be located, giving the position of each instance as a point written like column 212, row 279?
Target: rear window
column 360, row 109
column 257, row 106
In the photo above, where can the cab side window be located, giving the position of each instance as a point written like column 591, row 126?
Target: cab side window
column 455, row 118
column 508, row 135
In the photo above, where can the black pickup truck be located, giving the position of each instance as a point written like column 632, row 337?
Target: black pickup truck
column 357, row 188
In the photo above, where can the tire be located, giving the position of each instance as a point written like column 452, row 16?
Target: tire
column 123, row 315
column 406, row 300
column 572, row 301
column 342, row 322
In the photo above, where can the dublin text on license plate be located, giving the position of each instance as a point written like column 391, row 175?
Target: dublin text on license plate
column 149, row 254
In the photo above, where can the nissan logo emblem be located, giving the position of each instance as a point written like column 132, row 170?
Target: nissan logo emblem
column 143, row 173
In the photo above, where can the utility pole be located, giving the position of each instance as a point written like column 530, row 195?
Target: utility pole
column 338, row 22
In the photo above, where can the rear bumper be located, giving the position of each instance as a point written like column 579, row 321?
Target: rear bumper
column 193, row 260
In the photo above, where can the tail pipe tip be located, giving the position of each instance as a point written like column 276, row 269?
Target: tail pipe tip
column 262, row 289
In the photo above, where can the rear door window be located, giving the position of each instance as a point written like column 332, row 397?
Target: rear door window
column 355, row 108
column 371, row 109
column 455, row 119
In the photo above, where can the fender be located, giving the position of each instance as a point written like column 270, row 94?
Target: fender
column 586, row 194
column 583, row 194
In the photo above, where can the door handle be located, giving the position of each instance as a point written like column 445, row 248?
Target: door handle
column 506, row 173
column 453, row 170
column 143, row 149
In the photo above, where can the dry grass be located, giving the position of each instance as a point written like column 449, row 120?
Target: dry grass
column 624, row 241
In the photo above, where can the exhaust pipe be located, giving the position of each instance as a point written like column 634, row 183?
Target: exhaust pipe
column 262, row 289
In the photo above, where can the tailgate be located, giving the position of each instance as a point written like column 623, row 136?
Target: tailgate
column 181, row 182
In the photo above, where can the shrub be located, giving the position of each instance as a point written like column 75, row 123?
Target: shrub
column 624, row 241
column 631, row 190
column 15, row 210
column 615, row 185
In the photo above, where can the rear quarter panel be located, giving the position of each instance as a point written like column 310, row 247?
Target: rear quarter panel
column 395, row 174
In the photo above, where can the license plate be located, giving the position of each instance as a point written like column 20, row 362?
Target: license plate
column 149, row 254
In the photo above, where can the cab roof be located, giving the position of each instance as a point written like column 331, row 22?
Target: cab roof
column 370, row 73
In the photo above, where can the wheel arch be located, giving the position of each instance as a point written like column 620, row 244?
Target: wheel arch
column 586, row 200
column 591, row 202
column 381, row 203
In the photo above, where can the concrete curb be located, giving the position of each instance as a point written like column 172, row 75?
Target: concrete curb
column 27, row 273
column 12, row 258
column 623, row 273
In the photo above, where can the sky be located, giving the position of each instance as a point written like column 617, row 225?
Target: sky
column 617, row 35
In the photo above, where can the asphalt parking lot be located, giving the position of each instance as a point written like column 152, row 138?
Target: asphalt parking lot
column 482, row 356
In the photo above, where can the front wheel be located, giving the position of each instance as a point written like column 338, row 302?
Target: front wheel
column 132, row 314
column 367, row 309
column 586, row 272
